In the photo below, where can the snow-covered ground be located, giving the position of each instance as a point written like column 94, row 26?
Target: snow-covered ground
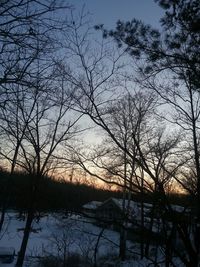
column 53, row 235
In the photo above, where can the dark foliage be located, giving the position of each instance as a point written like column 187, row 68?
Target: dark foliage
column 56, row 194
column 73, row 260
column 175, row 48
column 53, row 194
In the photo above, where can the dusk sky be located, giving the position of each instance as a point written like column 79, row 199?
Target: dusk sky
column 107, row 12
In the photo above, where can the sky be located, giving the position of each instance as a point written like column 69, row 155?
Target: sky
column 107, row 12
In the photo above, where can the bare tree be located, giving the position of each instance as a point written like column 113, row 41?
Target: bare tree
column 49, row 127
column 27, row 34
column 13, row 132
column 22, row 23
column 155, row 154
column 170, row 66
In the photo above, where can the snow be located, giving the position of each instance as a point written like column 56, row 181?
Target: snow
column 79, row 235
column 92, row 205
column 128, row 203
column 76, row 234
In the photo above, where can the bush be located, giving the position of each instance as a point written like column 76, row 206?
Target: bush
column 73, row 260
column 49, row 261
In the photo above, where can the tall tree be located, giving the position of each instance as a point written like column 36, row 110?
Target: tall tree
column 171, row 66
column 50, row 126
column 27, row 34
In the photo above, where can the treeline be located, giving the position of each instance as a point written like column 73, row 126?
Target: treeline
column 53, row 194
column 59, row 194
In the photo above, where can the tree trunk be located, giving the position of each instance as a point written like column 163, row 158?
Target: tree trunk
column 27, row 231
column 142, row 218
column 122, row 248
column 197, row 165
column 3, row 212
column 150, row 230
column 122, row 245
column 8, row 187
column 29, row 220
column 96, row 247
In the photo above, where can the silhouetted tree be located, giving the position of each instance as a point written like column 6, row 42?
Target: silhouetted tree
column 22, row 23
column 170, row 65
column 49, row 128
column 27, row 33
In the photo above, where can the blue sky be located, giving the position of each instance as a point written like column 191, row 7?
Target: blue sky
column 107, row 12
